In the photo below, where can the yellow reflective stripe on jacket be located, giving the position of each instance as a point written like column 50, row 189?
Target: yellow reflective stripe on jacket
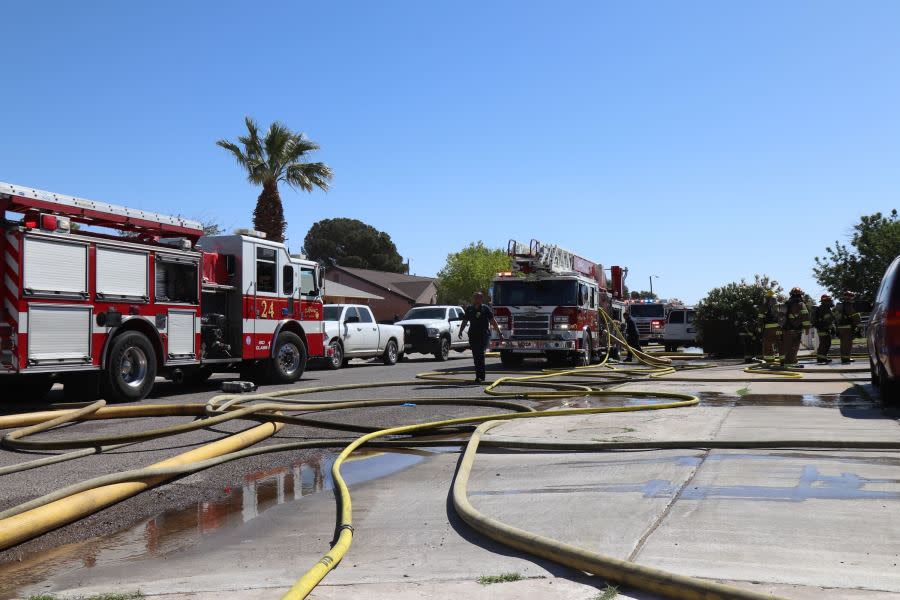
column 771, row 325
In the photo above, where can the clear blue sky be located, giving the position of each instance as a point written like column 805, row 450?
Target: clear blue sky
column 698, row 141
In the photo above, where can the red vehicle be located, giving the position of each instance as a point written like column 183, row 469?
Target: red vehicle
column 105, row 314
column 549, row 305
column 883, row 335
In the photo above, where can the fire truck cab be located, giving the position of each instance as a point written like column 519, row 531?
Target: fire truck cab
column 549, row 305
column 105, row 314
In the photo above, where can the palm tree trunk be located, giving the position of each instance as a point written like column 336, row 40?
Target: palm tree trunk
column 269, row 214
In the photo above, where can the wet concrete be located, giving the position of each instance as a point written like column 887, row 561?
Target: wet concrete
column 174, row 530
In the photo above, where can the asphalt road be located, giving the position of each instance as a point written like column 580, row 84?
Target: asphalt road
column 212, row 484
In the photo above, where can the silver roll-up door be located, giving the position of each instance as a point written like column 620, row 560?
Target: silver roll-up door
column 181, row 333
column 55, row 267
column 59, row 333
column 121, row 273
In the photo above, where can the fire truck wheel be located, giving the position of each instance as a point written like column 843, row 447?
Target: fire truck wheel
column 390, row 353
column 27, row 388
column 131, row 368
column 289, row 360
column 337, row 358
column 81, row 387
column 511, row 360
column 443, row 352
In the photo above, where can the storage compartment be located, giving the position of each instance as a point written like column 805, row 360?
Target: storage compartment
column 55, row 268
column 181, row 333
column 59, row 333
column 176, row 281
column 121, row 274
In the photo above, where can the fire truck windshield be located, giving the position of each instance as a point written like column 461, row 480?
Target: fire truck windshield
column 652, row 311
column 536, row 293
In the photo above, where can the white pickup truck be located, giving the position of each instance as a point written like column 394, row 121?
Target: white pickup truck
column 352, row 332
column 433, row 330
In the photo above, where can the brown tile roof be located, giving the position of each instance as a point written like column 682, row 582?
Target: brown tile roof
column 408, row 286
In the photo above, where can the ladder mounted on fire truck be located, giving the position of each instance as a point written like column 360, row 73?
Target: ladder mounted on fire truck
column 538, row 257
column 19, row 199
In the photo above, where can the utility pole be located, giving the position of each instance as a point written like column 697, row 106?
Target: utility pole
column 651, row 283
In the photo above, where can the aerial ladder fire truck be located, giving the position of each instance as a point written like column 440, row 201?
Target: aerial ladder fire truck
column 549, row 305
column 106, row 313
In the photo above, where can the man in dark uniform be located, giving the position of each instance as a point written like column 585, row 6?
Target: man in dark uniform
column 825, row 328
column 747, row 334
column 848, row 322
column 481, row 317
column 632, row 336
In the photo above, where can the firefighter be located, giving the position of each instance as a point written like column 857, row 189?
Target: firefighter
column 796, row 318
column 632, row 336
column 482, row 319
column 747, row 333
column 848, row 322
column 824, row 324
column 767, row 323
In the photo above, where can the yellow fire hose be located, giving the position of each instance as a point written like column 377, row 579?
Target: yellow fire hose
column 64, row 506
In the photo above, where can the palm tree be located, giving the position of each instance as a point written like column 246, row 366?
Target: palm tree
column 277, row 157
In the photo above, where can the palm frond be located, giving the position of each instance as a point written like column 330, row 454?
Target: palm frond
column 307, row 176
column 251, row 141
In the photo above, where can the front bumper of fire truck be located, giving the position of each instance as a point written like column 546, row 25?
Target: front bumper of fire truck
column 533, row 346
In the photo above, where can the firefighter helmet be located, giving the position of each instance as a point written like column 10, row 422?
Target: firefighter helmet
column 796, row 292
column 825, row 298
column 849, row 294
column 770, row 293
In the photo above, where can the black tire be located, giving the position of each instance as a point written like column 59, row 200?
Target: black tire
column 510, row 360
column 337, row 358
column 81, row 387
column 443, row 352
column 391, row 354
column 26, row 388
column 288, row 359
column 889, row 388
column 130, row 368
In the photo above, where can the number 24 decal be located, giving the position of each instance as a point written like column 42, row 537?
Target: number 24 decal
column 268, row 310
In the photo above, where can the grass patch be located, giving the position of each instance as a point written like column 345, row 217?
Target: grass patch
column 110, row 596
column 501, row 578
column 743, row 391
column 607, row 593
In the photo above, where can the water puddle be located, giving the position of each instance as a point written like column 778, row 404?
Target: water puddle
column 177, row 529
column 844, row 400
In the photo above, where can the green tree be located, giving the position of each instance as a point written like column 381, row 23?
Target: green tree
column 874, row 243
column 352, row 243
column 470, row 270
column 736, row 301
column 644, row 294
column 278, row 157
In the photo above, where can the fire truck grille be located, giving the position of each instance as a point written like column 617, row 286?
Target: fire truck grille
column 643, row 328
column 526, row 326
column 415, row 334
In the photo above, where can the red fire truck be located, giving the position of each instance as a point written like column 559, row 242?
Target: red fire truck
column 105, row 313
column 549, row 305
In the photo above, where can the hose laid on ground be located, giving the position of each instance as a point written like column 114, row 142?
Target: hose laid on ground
column 73, row 502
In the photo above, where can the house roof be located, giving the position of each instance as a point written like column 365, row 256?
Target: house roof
column 339, row 290
column 411, row 287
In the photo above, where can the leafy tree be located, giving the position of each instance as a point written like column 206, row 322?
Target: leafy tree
column 470, row 270
column 644, row 294
column 352, row 243
column 277, row 157
column 875, row 242
column 736, row 301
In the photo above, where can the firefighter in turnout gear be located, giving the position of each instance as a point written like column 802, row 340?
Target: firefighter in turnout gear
column 796, row 318
column 848, row 322
column 824, row 324
column 767, row 323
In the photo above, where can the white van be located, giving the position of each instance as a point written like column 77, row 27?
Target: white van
column 680, row 329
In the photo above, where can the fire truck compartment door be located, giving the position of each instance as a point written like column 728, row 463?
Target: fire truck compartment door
column 121, row 274
column 59, row 334
column 55, row 267
column 181, row 333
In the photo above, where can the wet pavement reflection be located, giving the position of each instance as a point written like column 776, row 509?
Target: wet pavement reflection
column 174, row 530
